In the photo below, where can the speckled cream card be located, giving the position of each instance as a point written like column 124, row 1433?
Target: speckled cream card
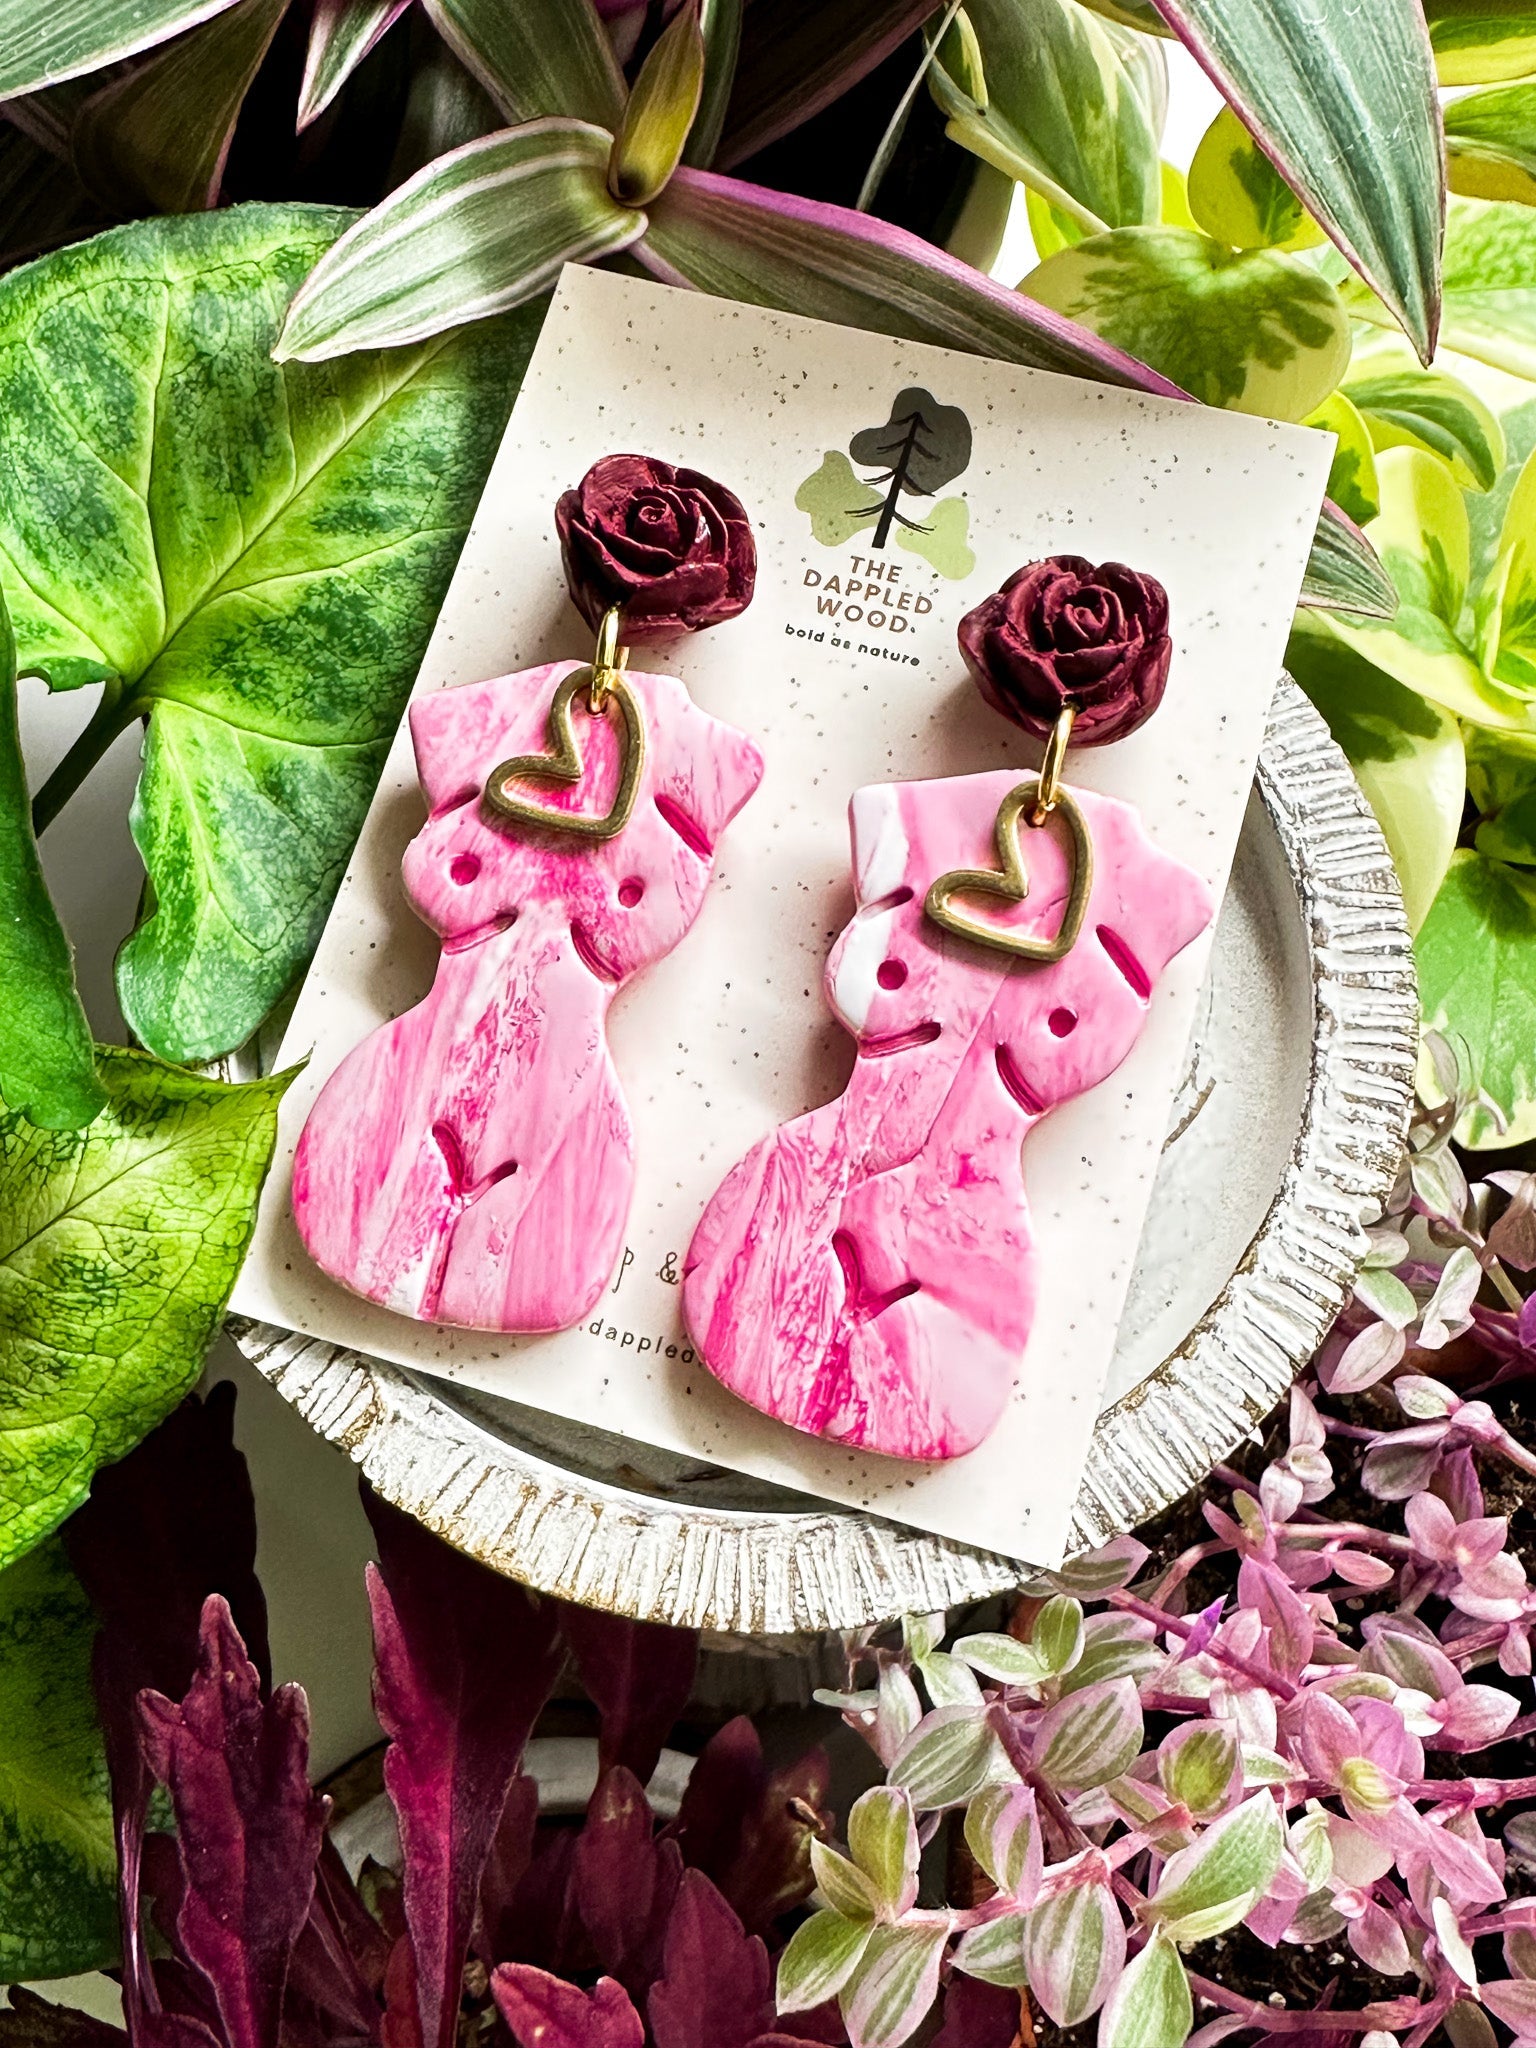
column 845, row 670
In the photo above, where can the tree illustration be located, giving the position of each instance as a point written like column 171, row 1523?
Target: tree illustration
column 922, row 447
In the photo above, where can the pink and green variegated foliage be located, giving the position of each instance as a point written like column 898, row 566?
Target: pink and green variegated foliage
column 1137, row 1766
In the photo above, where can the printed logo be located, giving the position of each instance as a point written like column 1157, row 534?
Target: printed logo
column 922, row 447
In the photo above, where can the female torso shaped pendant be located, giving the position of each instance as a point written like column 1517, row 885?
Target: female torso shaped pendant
column 473, row 1161
column 866, row 1272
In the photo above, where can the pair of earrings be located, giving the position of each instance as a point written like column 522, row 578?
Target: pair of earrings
column 865, row 1272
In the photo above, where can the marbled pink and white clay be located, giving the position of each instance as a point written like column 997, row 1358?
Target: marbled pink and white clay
column 866, row 1273
column 472, row 1162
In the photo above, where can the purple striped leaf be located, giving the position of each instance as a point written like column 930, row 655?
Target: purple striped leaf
column 341, row 33
column 1350, row 121
column 798, row 56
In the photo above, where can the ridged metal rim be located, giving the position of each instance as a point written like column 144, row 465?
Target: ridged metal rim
column 789, row 1573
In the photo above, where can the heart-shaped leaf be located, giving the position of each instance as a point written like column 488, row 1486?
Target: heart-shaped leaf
column 251, row 555
column 1251, row 329
column 58, row 1861
column 1236, row 194
column 118, row 1247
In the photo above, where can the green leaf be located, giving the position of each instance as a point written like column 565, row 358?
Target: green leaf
column 843, row 1885
column 818, row 1959
column 1501, row 781
column 1351, row 121
column 1508, row 600
column 58, row 1860
column 1490, row 285
column 536, row 59
column 1414, row 408
column 1352, row 474
column 47, row 40
column 896, row 1981
column 1477, row 983
column 994, row 1952
column 156, row 139
column 721, row 23
column 1137, row 14
column 1063, row 113
column 119, row 1245
column 1089, row 1737
column 341, row 33
column 1114, row 1646
column 47, row 1069
column 1074, row 1946
column 1490, row 144
column 1058, row 1633
column 1224, row 1873
column 1198, row 1770
column 882, row 1840
column 950, row 1683
column 481, row 231
column 1479, row 41
column 1424, row 539
column 649, row 145
column 253, row 555
column 1005, row 1658
column 948, row 1758
column 1237, row 195
column 1151, row 2006
column 1249, row 329
column 1406, row 753
column 1050, row 228
column 1001, row 1833
column 1343, row 573
column 798, row 56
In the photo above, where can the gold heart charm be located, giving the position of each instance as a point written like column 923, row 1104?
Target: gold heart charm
column 563, row 763
column 1012, row 884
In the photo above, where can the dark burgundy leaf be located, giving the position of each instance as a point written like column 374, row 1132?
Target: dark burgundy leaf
column 32, row 2022
column 626, row 1881
column 401, row 2026
column 713, row 1991
column 506, row 1865
column 543, row 2012
column 639, row 1676
column 751, row 1833
column 464, row 1660
column 339, row 1959
column 248, row 1825
column 166, row 1526
column 978, row 2015
column 544, row 1925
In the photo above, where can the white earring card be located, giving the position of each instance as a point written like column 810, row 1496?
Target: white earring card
column 845, row 672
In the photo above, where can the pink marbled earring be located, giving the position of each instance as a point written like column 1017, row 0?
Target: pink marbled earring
column 866, row 1273
column 472, row 1162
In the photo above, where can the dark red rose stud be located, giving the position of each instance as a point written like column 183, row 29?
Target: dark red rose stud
column 1062, row 635
column 670, row 548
